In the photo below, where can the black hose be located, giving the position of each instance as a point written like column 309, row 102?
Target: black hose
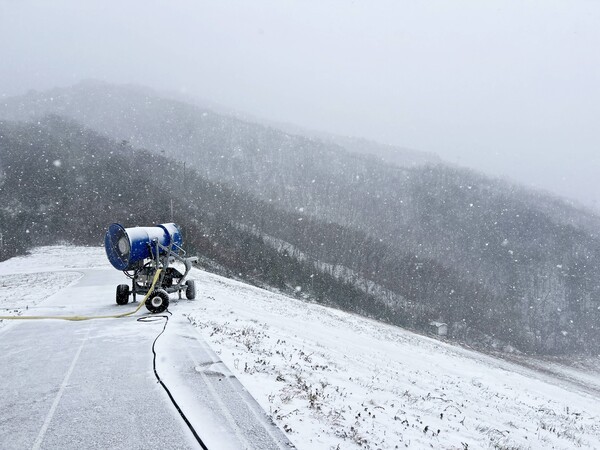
column 185, row 419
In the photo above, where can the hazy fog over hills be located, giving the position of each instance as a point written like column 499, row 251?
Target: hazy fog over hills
column 506, row 87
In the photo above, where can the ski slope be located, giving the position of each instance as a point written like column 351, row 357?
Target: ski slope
column 335, row 380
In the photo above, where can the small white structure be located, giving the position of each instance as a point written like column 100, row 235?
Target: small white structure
column 440, row 328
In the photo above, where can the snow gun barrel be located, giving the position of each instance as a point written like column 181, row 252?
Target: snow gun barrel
column 127, row 247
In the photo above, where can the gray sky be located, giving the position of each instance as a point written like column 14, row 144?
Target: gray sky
column 508, row 87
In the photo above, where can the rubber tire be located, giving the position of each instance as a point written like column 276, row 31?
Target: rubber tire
column 122, row 294
column 158, row 301
column 190, row 290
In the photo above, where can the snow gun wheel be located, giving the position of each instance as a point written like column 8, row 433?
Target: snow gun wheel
column 122, row 294
column 190, row 290
column 158, row 301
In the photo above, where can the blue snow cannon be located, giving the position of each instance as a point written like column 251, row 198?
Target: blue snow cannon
column 140, row 252
column 126, row 247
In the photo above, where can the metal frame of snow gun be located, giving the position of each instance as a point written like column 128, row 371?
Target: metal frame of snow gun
column 171, row 280
column 141, row 253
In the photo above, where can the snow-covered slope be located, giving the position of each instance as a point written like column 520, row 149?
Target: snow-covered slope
column 335, row 380
column 331, row 378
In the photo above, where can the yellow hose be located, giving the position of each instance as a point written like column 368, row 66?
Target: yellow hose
column 79, row 318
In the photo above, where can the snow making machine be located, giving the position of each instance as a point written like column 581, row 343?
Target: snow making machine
column 145, row 252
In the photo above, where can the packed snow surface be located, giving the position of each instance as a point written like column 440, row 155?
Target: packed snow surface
column 335, row 380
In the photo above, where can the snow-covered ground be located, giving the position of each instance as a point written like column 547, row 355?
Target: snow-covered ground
column 335, row 380
column 22, row 290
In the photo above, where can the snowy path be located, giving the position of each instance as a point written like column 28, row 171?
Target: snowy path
column 91, row 384
column 79, row 383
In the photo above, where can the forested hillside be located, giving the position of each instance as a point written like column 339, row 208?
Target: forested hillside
column 429, row 241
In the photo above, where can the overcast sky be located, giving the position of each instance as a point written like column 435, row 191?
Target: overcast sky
column 508, row 87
